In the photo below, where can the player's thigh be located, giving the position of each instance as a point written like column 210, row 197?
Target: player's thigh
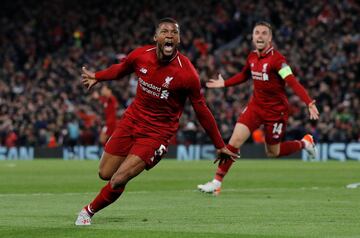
column 274, row 133
column 116, row 150
column 109, row 164
column 275, row 130
column 248, row 121
column 272, row 150
column 129, row 168
column 240, row 134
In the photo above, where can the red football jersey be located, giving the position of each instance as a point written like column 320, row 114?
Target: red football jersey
column 110, row 107
column 269, row 85
column 162, row 91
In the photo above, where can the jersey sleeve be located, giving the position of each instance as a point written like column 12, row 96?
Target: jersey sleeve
column 117, row 71
column 241, row 77
column 203, row 113
column 113, row 102
column 285, row 72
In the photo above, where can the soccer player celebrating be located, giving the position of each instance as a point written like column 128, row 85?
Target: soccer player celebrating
column 166, row 79
column 268, row 105
column 110, row 105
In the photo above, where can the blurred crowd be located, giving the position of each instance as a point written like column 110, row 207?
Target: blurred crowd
column 43, row 45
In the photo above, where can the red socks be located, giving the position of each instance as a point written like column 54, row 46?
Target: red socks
column 224, row 168
column 106, row 196
column 286, row 148
column 289, row 147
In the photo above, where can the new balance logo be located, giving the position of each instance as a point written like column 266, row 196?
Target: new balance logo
column 164, row 94
column 143, row 70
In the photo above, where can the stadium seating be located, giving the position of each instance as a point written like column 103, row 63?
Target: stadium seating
column 43, row 45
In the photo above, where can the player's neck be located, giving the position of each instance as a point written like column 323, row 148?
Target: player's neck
column 262, row 52
column 165, row 59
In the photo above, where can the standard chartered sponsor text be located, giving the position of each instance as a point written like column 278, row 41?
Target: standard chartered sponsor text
column 149, row 85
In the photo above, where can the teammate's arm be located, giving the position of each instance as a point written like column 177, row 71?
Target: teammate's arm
column 286, row 74
column 234, row 80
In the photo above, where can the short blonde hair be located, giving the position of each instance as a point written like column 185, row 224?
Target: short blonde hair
column 264, row 23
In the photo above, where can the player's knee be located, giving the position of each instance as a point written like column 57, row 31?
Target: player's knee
column 272, row 154
column 104, row 176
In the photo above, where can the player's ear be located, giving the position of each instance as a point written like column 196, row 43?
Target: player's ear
column 155, row 37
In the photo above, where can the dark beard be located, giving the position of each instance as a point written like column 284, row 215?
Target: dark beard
column 164, row 58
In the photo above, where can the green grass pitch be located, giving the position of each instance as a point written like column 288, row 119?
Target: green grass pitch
column 260, row 198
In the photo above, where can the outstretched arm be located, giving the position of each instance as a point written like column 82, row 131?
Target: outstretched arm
column 220, row 82
column 286, row 73
column 115, row 71
column 313, row 111
column 216, row 83
column 234, row 80
column 88, row 78
column 301, row 92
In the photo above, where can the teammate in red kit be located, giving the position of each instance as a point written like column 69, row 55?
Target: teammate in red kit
column 110, row 104
column 268, row 106
column 166, row 79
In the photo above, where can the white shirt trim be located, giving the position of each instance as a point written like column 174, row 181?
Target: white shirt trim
column 151, row 49
column 271, row 48
column 179, row 61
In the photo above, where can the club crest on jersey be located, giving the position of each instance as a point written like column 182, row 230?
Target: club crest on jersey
column 167, row 81
column 143, row 70
column 265, row 75
column 264, row 67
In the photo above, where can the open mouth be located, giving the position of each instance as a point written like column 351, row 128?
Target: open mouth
column 168, row 47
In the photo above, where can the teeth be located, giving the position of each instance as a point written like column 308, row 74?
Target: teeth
column 168, row 48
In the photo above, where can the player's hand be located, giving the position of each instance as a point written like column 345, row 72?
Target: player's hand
column 216, row 83
column 88, row 78
column 225, row 154
column 314, row 113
